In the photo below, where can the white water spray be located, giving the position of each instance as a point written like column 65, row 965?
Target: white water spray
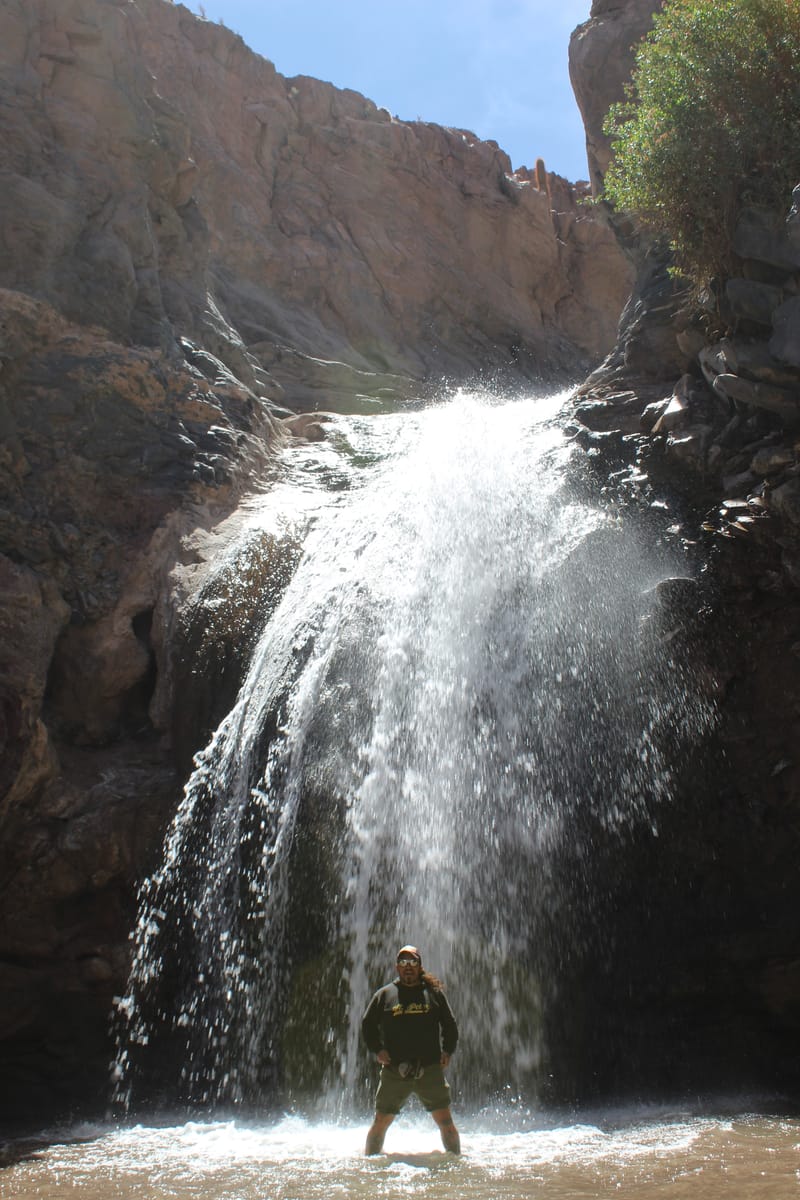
column 452, row 700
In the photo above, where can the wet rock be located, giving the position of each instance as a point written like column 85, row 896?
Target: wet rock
column 615, row 411
column 310, row 426
column 678, row 594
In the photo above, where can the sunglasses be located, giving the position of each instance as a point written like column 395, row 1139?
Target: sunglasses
column 408, row 962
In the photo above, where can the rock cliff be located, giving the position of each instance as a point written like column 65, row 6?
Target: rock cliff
column 601, row 53
column 160, row 179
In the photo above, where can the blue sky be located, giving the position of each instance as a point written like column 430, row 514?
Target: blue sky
column 497, row 67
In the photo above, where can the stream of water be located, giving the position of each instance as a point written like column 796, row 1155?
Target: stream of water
column 672, row 1156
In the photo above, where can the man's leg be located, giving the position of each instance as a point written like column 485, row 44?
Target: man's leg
column 450, row 1139
column 377, row 1132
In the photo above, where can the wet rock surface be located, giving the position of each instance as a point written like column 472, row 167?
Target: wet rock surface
column 694, row 415
column 111, row 455
column 709, row 996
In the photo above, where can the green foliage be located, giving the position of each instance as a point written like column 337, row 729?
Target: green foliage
column 711, row 121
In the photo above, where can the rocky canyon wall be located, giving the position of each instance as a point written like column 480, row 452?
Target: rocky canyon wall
column 160, row 179
column 696, row 411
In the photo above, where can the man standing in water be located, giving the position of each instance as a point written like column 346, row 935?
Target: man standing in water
column 410, row 1029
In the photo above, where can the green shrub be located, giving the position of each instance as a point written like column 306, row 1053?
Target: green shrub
column 711, row 121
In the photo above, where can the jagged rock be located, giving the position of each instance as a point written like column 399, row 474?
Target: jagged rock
column 677, row 411
column 32, row 617
column 691, row 342
column 652, row 413
column 674, row 415
column 714, row 361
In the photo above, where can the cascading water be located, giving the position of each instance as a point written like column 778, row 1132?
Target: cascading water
column 455, row 705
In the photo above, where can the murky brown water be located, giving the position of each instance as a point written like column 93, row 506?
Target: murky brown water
column 701, row 1158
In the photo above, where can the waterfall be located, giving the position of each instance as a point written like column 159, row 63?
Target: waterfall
column 456, row 706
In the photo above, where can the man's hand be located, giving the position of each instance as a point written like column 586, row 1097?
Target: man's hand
column 444, row 1059
column 383, row 1057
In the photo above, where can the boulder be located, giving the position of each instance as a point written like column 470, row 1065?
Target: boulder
column 756, row 360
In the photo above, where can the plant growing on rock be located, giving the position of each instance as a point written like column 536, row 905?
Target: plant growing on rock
column 711, row 121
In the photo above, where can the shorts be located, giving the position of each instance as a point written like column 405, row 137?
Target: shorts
column 393, row 1091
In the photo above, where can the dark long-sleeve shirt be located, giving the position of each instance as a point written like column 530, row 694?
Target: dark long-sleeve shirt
column 413, row 1024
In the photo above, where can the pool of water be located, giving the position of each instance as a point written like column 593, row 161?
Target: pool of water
column 702, row 1157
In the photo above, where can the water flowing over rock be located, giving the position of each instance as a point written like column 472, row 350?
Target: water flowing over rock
column 458, row 709
column 528, row 688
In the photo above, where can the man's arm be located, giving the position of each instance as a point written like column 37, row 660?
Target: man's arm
column 448, row 1025
column 371, row 1028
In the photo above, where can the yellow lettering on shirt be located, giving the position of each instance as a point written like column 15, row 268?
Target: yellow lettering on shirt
column 412, row 1010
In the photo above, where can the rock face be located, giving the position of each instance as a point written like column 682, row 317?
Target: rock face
column 160, row 178
column 601, row 53
column 695, row 414
column 110, row 454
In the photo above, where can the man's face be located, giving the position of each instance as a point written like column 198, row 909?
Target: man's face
column 409, row 970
